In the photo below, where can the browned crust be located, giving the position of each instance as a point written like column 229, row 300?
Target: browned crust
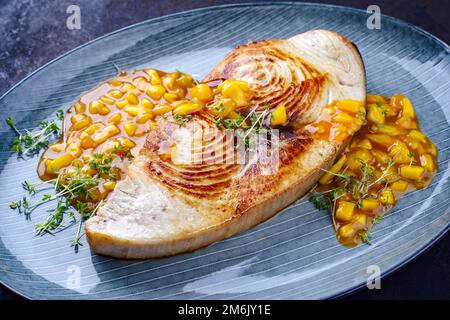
column 245, row 217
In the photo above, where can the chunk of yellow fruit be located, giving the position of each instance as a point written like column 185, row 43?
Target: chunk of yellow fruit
column 201, row 92
column 235, row 90
column 170, row 97
column 400, row 152
column 80, row 121
column 388, row 129
column 115, row 118
column 109, row 185
column 352, row 106
column 328, row 176
column 116, row 94
column 387, row 197
column 375, row 114
column 134, row 111
column 412, row 172
column 130, row 128
column 347, row 231
column 187, row 108
column 360, row 219
column 132, row 98
column 61, row 162
column 408, row 110
column 107, row 100
column 417, row 135
column 343, row 117
column 74, row 149
column 399, row 185
column 222, row 108
column 345, row 210
column 427, row 162
column 161, row 109
column 381, row 139
column 369, row 204
column 147, row 103
column 156, row 91
column 279, row 116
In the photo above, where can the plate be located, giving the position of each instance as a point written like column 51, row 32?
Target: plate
column 294, row 255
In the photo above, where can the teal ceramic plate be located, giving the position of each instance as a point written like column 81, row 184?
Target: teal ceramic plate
column 295, row 255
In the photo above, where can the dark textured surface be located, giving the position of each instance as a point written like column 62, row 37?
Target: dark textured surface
column 34, row 32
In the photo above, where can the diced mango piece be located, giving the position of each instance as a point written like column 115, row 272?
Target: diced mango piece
column 352, row 106
column 115, row 118
column 412, row 172
column 279, row 116
column 132, row 98
column 427, row 162
column 170, row 97
column 86, row 142
column 365, row 143
column 161, row 109
column 388, row 129
column 433, row 150
column 328, row 176
column 399, row 185
column 347, row 231
column 107, row 132
column 107, row 100
column 400, row 152
column 130, row 128
column 80, row 121
column 94, row 106
column 187, row 108
column 408, row 110
column 57, row 147
column 121, row 104
column 80, row 107
column 387, row 197
column 156, row 91
column 343, row 117
column 201, row 92
column 373, row 98
column 144, row 117
column 345, row 210
column 407, row 123
column 103, row 110
column 222, row 108
column 380, row 156
column 235, row 90
column 109, row 185
column 369, row 204
column 360, row 219
column 74, row 149
column 60, row 162
column 128, row 87
column 381, row 139
column 375, row 114
column 134, row 111
column 116, row 94
column 154, row 76
column 417, row 135
column 147, row 103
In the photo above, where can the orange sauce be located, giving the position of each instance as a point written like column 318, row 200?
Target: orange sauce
column 388, row 157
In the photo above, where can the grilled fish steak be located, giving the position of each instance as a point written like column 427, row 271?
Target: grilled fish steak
column 162, row 208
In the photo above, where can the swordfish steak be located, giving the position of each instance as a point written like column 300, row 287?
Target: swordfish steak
column 163, row 208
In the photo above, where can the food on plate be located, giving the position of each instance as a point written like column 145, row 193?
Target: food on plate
column 163, row 208
column 158, row 163
column 388, row 157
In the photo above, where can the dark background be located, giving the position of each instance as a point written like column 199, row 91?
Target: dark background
column 34, row 32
